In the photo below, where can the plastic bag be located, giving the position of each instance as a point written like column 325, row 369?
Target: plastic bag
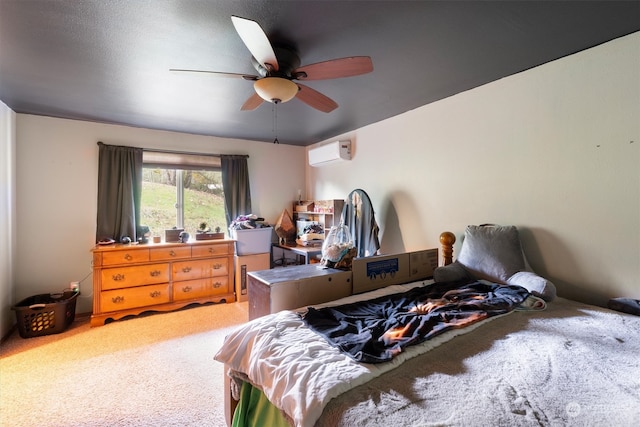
column 336, row 245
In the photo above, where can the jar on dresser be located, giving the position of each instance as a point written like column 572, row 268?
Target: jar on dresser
column 130, row 279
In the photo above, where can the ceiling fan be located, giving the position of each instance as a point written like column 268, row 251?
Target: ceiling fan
column 279, row 66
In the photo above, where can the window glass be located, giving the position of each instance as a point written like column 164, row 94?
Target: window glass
column 182, row 198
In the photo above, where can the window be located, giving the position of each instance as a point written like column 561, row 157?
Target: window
column 183, row 191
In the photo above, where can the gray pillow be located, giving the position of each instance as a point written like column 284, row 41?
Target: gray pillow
column 492, row 252
column 625, row 305
column 453, row 272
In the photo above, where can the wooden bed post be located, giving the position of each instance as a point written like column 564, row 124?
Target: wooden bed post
column 447, row 239
column 229, row 402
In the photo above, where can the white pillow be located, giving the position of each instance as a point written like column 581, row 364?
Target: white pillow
column 538, row 286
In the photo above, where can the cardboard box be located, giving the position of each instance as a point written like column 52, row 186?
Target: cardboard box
column 304, row 207
column 252, row 241
column 422, row 263
column 378, row 271
column 245, row 264
column 328, row 206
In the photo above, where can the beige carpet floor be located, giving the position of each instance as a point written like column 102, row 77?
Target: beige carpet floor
column 151, row 370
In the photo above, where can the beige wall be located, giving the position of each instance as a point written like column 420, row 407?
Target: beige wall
column 554, row 150
column 57, row 170
column 7, row 216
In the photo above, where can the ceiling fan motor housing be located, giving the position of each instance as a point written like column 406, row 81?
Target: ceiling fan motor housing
column 288, row 61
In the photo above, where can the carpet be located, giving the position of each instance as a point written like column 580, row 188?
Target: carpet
column 151, row 370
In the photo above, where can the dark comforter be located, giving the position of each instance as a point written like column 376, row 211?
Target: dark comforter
column 374, row 331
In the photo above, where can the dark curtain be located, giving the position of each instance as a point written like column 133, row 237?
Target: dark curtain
column 119, row 191
column 235, row 181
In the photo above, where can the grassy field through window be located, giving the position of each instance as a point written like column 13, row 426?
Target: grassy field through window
column 159, row 211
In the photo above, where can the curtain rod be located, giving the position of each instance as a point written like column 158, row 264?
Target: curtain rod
column 152, row 150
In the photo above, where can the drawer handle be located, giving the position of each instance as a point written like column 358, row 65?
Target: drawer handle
column 172, row 253
column 211, row 250
column 117, row 300
column 217, row 285
column 186, row 289
column 155, row 294
column 128, row 257
column 155, row 273
column 186, row 269
column 217, row 266
column 118, row 277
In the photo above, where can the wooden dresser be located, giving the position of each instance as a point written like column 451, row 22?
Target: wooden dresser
column 131, row 279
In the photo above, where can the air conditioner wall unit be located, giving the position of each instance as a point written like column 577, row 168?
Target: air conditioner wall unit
column 332, row 152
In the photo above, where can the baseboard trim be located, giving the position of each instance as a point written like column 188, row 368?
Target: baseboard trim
column 8, row 334
column 82, row 316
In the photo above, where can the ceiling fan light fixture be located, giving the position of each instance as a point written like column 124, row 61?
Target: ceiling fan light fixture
column 275, row 89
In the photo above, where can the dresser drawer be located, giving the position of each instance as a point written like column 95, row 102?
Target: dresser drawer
column 126, row 277
column 170, row 253
column 197, row 269
column 193, row 289
column 211, row 250
column 125, row 257
column 140, row 296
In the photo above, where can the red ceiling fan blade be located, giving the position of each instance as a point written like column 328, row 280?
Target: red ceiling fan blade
column 252, row 103
column 217, row 74
column 335, row 68
column 256, row 41
column 315, row 99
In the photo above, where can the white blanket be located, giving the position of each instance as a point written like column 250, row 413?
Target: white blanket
column 297, row 369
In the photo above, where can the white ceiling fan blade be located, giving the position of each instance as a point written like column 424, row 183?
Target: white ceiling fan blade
column 256, row 41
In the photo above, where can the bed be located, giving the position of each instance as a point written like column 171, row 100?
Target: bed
column 536, row 362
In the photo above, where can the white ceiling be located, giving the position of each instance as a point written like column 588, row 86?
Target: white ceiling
column 108, row 60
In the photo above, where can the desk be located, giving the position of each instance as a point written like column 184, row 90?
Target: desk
column 304, row 254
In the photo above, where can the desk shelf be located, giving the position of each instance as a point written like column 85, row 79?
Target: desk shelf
column 326, row 212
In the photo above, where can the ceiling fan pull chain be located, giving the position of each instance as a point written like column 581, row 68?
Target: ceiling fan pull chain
column 275, row 122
